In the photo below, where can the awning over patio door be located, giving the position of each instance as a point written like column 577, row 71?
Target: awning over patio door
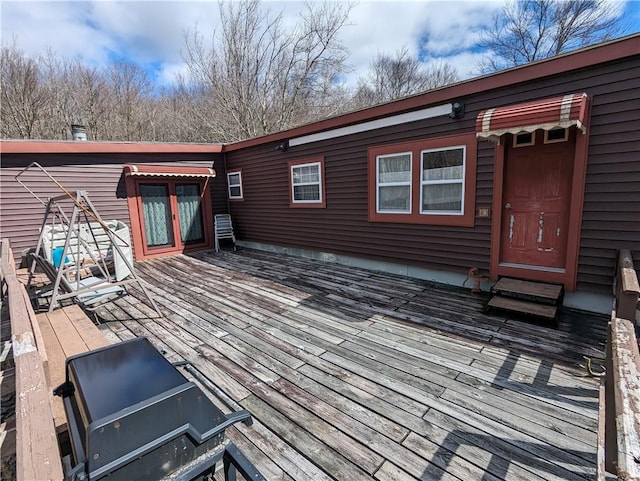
column 167, row 171
column 546, row 114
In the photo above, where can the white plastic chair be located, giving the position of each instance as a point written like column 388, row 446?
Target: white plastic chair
column 223, row 229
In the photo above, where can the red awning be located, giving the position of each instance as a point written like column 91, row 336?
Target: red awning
column 167, row 171
column 546, row 114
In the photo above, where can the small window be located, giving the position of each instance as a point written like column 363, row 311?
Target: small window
column 306, row 183
column 442, row 181
column 393, row 180
column 234, row 183
column 556, row 135
column 524, row 139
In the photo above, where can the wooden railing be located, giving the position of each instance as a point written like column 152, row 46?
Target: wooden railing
column 619, row 420
column 37, row 455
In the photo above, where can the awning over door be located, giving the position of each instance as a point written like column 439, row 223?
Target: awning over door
column 546, row 114
column 167, row 171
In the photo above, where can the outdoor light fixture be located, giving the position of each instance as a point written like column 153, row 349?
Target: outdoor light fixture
column 282, row 146
column 457, row 110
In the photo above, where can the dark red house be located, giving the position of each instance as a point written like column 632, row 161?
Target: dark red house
column 533, row 172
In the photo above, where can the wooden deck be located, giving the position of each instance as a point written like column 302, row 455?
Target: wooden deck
column 352, row 374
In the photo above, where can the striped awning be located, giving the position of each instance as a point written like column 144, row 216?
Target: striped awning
column 167, row 171
column 546, row 114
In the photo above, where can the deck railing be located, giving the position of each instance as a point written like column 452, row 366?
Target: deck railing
column 37, row 454
column 619, row 421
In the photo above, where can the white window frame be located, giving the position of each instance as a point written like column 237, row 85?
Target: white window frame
column 524, row 144
column 239, row 184
column 443, row 182
column 394, row 184
column 554, row 141
column 318, row 183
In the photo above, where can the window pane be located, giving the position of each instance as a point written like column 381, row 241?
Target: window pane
column 306, row 192
column 156, row 212
column 394, row 168
column 234, row 179
column 235, row 191
column 306, row 174
column 189, row 213
column 442, row 197
column 442, row 164
column 394, row 198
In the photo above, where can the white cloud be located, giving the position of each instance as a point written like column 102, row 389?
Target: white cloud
column 151, row 33
column 431, row 30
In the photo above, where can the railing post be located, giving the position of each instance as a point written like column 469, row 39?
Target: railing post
column 628, row 289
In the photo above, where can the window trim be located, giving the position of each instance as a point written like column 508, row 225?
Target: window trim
column 516, row 144
column 439, row 182
column 308, row 204
column 237, row 172
column 555, row 141
column 466, row 219
column 410, row 183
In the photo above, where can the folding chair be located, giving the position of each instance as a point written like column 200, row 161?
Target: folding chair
column 223, row 229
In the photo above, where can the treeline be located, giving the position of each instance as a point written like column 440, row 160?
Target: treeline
column 258, row 76
column 253, row 78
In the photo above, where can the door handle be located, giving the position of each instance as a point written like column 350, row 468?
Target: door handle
column 507, row 206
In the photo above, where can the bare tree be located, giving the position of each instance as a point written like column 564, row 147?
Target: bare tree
column 256, row 77
column 529, row 30
column 23, row 97
column 392, row 77
column 76, row 94
column 130, row 88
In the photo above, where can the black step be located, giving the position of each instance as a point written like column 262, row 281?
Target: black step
column 537, row 292
column 543, row 311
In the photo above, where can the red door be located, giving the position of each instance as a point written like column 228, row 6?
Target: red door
column 536, row 202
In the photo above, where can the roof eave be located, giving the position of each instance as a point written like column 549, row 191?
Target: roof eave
column 88, row 147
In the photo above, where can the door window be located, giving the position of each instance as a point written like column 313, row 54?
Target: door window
column 156, row 210
column 189, row 213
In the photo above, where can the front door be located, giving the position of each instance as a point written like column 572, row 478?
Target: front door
column 536, row 202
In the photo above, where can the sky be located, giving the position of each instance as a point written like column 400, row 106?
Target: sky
column 151, row 33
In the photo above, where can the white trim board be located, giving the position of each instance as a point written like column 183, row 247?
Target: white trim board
column 438, row 110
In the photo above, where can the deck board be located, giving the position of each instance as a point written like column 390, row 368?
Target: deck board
column 355, row 374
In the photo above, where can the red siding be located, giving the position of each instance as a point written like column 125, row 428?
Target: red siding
column 612, row 195
column 99, row 174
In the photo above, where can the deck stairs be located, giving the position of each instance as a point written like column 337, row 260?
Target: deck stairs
column 531, row 299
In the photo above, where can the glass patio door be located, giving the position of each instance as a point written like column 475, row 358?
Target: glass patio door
column 172, row 215
column 156, row 209
column 189, row 213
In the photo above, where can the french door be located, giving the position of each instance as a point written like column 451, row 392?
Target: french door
column 173, row 215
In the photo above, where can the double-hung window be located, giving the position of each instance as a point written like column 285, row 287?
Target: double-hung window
column 394, row 183
column 429, row 181
column 306, row 183
column 442, row 182
column 234, row 185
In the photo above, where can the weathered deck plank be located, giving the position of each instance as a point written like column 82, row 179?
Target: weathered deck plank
column 354, row 374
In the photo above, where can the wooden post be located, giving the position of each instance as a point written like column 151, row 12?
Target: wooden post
column 628, row 289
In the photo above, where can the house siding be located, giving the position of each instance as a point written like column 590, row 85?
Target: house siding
column 611, row 217
column 99, row 174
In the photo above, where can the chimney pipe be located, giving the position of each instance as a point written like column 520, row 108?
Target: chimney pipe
column 78, row 132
